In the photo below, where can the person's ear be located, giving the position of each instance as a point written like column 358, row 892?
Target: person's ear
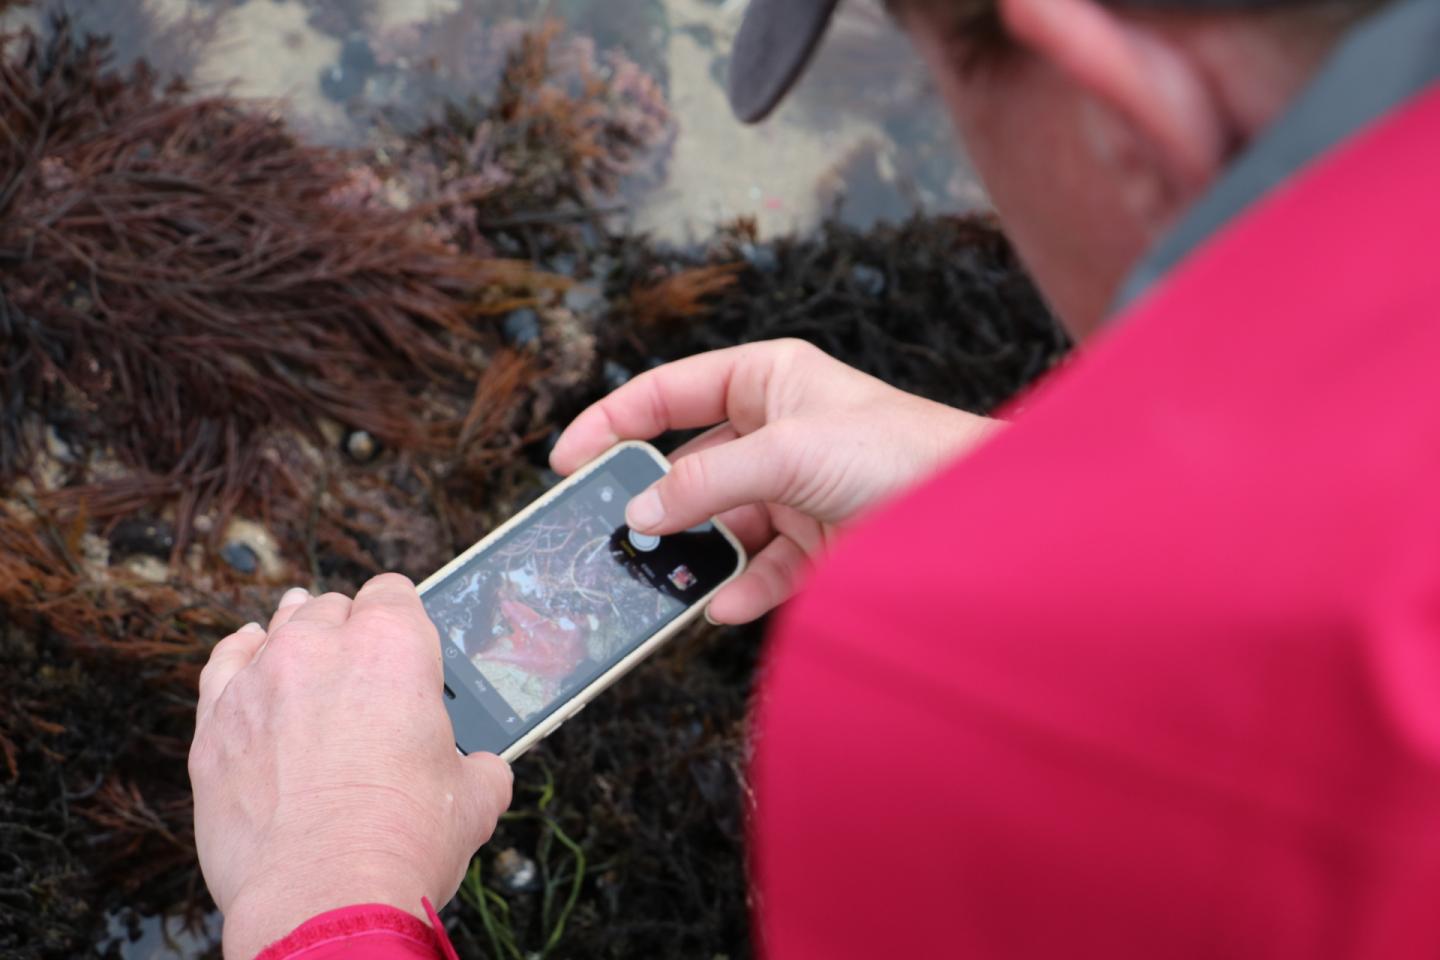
column 1153, row 105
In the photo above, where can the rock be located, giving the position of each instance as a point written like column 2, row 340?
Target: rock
column 94, row 554
column 56, row 446
column 241, row 557
column 760, row 256
column 257, row 539
column 602, row 266
column 516, row 872
column 867, row 280
column 341, row 85
column 616, row 375
column 345, row 80
column 138, row 536
column 149, row 569
column 357, row 55
column 585, row 298
column 360, row 446
column 521, row 328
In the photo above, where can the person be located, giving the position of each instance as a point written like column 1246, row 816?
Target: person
column 1151, row 670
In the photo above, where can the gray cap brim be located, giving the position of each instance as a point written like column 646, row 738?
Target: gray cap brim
column 775, row 43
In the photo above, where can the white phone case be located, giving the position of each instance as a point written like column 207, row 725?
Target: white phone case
column 584, row 695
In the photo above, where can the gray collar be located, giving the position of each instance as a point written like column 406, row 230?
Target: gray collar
column 1384, row 61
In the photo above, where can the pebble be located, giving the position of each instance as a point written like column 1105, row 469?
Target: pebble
column 616, row 375
column 516, row 872
column 241, row 557
column 521, row 328
column 602, row 266
column 94, row 553
column 149, row 569
column 260, row 541
column 341, row 85
column 139, row 536
column 584, row 298
column 761, row 257
column 345, row 80
column 867, row 279
column 357, row 55
column 56, row 446
column 361, row 446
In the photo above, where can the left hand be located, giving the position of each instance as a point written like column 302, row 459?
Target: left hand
column 325, row 769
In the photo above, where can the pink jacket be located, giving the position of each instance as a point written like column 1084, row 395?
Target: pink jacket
column 1157, row 672
column 370, row 931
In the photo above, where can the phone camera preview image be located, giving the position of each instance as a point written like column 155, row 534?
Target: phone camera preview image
column 548, row 608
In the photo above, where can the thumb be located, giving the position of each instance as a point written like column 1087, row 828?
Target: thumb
column 487, row 787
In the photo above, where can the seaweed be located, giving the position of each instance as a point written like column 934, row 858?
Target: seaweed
column 937, row 305
column 194, row 258
column 231, row 361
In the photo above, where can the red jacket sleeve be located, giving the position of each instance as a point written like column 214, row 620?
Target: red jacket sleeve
column 370, row 931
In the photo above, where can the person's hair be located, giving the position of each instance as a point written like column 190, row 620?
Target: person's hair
column 979, row 34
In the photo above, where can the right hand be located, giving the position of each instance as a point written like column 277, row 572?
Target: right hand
column 803, row 444
column 325, row 769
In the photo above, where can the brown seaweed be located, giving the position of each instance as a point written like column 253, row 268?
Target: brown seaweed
column 193, row 258
column 230, row 362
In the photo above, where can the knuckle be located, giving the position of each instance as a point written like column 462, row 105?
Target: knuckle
column 794, row 351
column 689, row 477
column 211, row 670
column 659, row 409
column 391, row 623
column 608, row 407
column 784, row 436
column 284, row 637
column 222, row 647
column 200, row 759
column 786, row 445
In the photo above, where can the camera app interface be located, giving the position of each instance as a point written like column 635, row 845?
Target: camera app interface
column 555, row 603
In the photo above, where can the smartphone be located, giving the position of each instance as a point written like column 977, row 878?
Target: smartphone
column 563, row 599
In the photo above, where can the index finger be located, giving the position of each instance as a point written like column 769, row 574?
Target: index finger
column 697, row 391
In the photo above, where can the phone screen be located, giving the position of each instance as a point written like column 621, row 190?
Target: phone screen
column 557, row 601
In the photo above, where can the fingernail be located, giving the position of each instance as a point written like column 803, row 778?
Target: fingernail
column 252, row 627
column 710, row 619
column 293, row 596
column 645, row 511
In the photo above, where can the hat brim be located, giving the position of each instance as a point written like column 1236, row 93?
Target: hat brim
column 775, row 44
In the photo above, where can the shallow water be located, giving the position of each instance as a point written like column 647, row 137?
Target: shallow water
column 863, row 134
